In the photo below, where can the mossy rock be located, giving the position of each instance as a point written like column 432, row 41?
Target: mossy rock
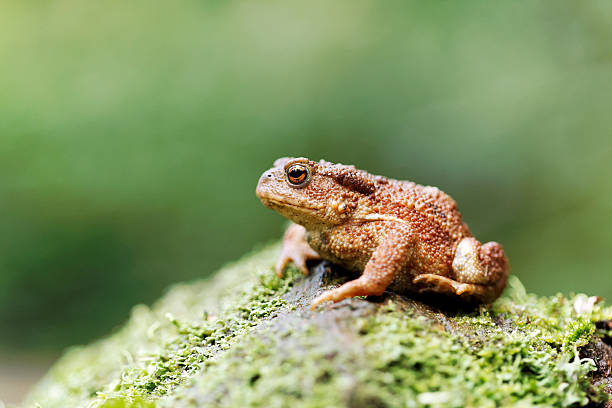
column 247, row 338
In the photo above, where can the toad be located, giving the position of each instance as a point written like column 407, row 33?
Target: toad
column 397, row 234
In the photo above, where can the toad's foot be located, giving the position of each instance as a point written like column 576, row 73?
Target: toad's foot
column 441, row 284
column 357, row 287
column 295, row 249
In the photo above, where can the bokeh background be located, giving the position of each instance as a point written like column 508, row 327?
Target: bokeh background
column 132, row 134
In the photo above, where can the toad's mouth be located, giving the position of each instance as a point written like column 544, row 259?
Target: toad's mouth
column 278, row 204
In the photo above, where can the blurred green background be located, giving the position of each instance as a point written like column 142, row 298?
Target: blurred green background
column 133, row 134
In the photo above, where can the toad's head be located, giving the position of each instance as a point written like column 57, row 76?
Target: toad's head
column 315, row 194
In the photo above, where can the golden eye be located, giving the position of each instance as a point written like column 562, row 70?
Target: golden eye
column 298, row 175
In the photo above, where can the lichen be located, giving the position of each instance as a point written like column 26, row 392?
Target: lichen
column 248, row 338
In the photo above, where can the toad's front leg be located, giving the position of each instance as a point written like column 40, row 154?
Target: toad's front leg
column 390, row 257
column 295, row 249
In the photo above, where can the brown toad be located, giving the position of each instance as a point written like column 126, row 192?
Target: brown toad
column 400, row 235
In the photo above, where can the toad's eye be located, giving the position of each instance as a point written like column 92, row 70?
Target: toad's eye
column 298, row 175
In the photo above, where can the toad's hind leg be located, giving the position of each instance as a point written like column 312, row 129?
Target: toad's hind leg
column 480, row 272
column 389, row 258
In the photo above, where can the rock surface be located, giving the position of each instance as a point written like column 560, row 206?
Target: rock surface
column 247, row 338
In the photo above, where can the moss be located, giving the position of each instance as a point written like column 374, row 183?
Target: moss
column 125, row 403
column 248, row 338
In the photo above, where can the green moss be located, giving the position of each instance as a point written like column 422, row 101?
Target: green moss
column 124, row 403
column 247, row 338
column 401, row 359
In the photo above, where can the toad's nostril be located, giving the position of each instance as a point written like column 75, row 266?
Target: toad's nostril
column 269, row 175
